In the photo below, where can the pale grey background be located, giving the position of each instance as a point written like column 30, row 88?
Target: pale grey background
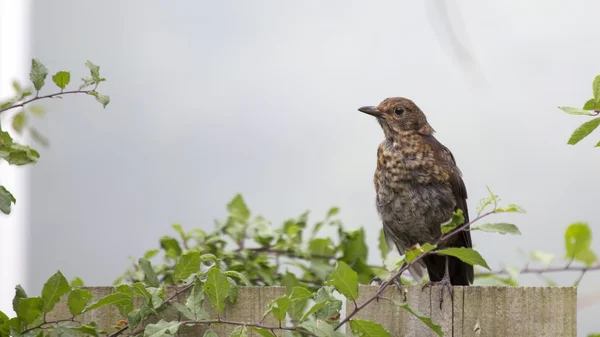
column 214, row 98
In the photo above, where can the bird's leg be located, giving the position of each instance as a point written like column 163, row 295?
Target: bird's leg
column 444, row 282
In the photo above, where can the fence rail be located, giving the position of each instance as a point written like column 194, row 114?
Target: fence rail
column 475, row 311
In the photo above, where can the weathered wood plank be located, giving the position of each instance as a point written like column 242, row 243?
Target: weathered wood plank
column 474, row 311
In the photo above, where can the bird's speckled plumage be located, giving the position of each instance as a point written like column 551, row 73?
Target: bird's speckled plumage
column 418, row 186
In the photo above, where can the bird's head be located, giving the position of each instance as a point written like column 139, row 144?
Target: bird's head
column 399, row 115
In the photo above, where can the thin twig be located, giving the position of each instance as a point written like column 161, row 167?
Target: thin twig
column 22, row 104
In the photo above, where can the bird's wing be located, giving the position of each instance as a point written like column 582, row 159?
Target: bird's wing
column 456, row 183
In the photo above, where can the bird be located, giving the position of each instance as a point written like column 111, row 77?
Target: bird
column 418, row 187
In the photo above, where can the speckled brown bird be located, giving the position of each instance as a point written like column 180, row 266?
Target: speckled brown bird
column 418, row 187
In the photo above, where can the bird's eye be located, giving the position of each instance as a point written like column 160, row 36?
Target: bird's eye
column 399, row 110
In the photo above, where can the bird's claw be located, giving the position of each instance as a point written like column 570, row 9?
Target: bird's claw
column 444, row 283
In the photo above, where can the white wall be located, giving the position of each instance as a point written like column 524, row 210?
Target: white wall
column 14, row 56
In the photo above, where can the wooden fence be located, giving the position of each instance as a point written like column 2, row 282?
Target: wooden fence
column 475, row 311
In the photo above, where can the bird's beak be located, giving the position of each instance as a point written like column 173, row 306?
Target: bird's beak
column 371, row 110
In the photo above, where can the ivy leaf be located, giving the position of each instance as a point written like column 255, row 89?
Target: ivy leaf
column 456, row 220
column 578, row 239
column 427, row 320
column 502, row 228
column 319, row 328
column 238, row 210
column 345, row 280
column 584, row 130
column 577, row 111
column 38, row 74
column 217, row 288
column 368, row 328
column 62, row 79
column 6, row 200
column 149, row 274
column 78, row 299
column 240, row 276
column 240, row 331
column 263, row 332
column 56, row 286
column 466, row 255
column 383, row 247
column 188, row 264
column 162, row 328
column 596, row 89
column 29, row 309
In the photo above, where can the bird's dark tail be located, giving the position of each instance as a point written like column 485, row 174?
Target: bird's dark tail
column 461, row 274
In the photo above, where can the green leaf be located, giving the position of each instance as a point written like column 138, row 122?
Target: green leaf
column 38, row 74
column 86, row 82
column 62, row 79
column 321, row 246
column 589, row 105
column 76, row 282
column 36, row 110
column 234, row 290
column 162, row 328
column 427, row 320
column 56, row 286
column 368, row 328
column 544, row 258
column 413, row 252
column 332, row 211
column 114, row 299
column 217, row 288
column 91, row 330
column 94, row 71
column 78, row 299
column 6, row 200
column 240, row 331
column 238, row 275
column 19, row 294
column 456, row 220
column 17, row 154
column 300, row 293
column 278, row 307
column 578, row 239
column 596, row 88
column 238, row 210
column 38, row 137
column 171, row 246
column 210, row 333
column 188, row 264
column 263, row 332
column 502, row 228
column 577, row 111
column 511, row 208
column 466, row 255
column 195, row 302
column 150, row 277
column 319, row 328
column 326, row 306
column 19, row 121
column 345, row 280
column 584, row 130
column 103, row 99
column 151, row 253
column 29, row 309
column 383, row 247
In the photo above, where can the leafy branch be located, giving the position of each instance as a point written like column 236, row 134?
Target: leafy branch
column 17, row 154
column 590, row 108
